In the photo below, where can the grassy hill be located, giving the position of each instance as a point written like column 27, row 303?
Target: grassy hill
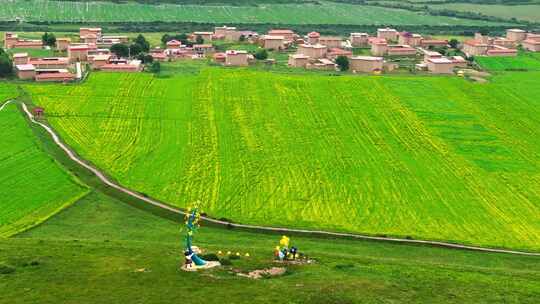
column 100, row 250
column 426, row 157
column 529, row 12
column 34, row 187
column 275, row 13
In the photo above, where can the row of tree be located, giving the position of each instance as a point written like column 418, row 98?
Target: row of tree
column 140, row 49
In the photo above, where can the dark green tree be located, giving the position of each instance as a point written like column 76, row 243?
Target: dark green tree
column 155, row 67
column 453, row 43
column 145, row 58
column 143, row 43
column 199, row 39
column 165, row 38
column 135, row 49
column 6, row 65
column 49, row 39
column 261, row 54
column 120, row 50
column 343, row 63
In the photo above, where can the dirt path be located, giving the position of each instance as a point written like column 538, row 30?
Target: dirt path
column 5, row 104
column 148, row 200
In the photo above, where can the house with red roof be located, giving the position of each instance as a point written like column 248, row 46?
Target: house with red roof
column 287, row 34
column 173, row 44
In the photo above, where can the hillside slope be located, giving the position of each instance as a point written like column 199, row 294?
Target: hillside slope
column 33, row 185
column 100, row 251
column 427, row 157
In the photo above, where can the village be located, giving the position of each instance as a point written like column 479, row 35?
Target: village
column 386, row 51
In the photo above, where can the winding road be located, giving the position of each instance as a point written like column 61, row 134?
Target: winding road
column 155, row 203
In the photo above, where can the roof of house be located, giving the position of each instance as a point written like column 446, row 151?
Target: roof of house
column 278, row 32
column 63, row 39
column 515, row 30
column 360, row 34
column 174, row 42
column 406, row 34
column 124, row 66
column 203, row 33
column 313, row 46
column 442, row 60
column 273, row 37
column 314, row 35
column 20, row 55
column 90, row 29
column 79, row 47
column 298, row 56
column 338, row 51
column 431, row 53
column 458, row 59
column 203, row 46
column 235, row 52
column 502, row 51
column 29, row 43
column 326, row 61
column 379, row 41
column 401, row 48
column 367, row 58
column 63, row 75
column 89, row 36
column 386, row 30
column 434, row 41
column 25, row 67
column 158, row 55
column 530, row 41
column 100, row 57
column 219, row 55
column 50, row 60
column 473, row 42
column 533, row 36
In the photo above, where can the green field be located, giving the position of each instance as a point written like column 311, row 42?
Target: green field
column 34, row 187
column 34, row 52
column 326, row 13
column 529, row 12
column 426, row 157
column 525, row 61
column 92, row 251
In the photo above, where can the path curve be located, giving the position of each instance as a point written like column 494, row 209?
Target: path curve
column 148, row 200
column 5, row 104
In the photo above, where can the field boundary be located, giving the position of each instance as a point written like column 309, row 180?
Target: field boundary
column 107, row 181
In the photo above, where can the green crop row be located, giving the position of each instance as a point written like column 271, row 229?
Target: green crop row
column 426, row 157
column 34, row 187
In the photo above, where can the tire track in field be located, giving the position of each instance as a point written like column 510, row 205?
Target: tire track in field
column 74, row 157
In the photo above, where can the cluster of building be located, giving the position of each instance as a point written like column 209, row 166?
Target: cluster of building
column 319, row 52
column 176, row 50
column 313, row 51
column 12, row 41
column 483, row 45
column 92, row 48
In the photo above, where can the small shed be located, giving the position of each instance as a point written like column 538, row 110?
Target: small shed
column 38, row 112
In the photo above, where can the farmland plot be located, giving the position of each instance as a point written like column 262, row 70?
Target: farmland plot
column 326, row 13
column 526, row 61
column 427, row 157
column 33, row 186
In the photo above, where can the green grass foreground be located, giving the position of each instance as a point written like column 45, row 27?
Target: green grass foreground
column 34, row 186
column 427, row 157
column 93, row 252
